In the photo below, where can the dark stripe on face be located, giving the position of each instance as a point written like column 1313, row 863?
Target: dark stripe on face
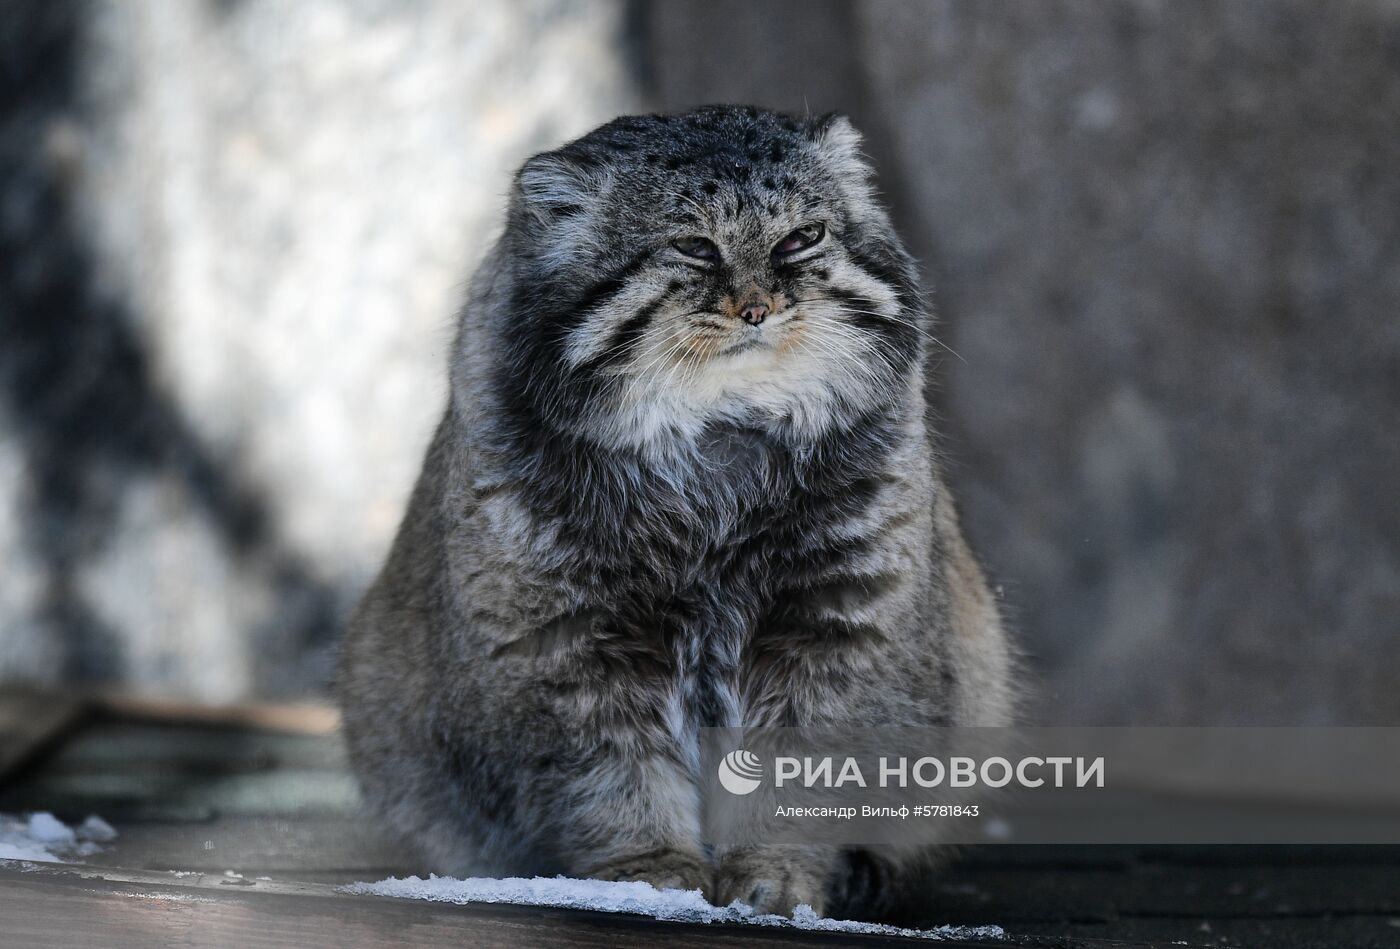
column 861, row 310
column 863, row 313
column 888, row 271
column 603, row 291
column 624, row 338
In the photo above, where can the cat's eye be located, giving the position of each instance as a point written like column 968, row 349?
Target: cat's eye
column 800, row 239
column 701, row 248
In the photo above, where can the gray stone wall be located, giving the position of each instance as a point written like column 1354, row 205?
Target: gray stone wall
column 1161, row 238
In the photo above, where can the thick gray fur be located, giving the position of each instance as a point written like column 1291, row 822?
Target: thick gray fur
column 641, row 515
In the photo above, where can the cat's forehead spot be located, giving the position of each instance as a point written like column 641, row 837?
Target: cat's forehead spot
column 716, row 168
column 711, row 203
column 715, row 136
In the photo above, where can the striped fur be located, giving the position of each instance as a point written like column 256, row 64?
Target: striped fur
column 641, row 515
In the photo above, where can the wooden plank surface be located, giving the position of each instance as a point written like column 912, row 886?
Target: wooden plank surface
column 303, row 718
column 212, row 793
column 30, row 721
column 48, row 906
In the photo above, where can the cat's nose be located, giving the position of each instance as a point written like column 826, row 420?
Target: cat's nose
column 754, row 313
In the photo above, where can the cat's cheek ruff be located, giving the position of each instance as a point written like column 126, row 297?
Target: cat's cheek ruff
column 848, row 353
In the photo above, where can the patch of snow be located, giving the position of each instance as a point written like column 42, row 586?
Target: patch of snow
column 166, row 897
column 688, row 906
column 27, row 852
column 48, row 829
column 46, row 839
column 97, row 830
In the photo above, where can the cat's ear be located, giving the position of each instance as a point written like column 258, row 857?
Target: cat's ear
column 553, row 187
column 838, row 139
column 838, row 142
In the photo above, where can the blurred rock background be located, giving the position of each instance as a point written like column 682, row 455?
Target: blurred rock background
column 1164, row 239
column 233, row 238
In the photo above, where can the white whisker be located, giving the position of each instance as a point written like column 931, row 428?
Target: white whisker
column 886, row 316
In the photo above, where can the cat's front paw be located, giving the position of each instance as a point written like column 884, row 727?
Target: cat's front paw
column 664, row 869
column 774, row 885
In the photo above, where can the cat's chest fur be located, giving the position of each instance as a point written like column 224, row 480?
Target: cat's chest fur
column 662, row 528
column 679, row 573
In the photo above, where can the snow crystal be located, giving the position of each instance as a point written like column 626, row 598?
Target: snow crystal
column 44, row 838
column 689, row 906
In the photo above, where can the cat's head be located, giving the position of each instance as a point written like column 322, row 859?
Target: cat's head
column 725, row 263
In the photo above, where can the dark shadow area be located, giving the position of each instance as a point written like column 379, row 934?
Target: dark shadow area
column 77, row 388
